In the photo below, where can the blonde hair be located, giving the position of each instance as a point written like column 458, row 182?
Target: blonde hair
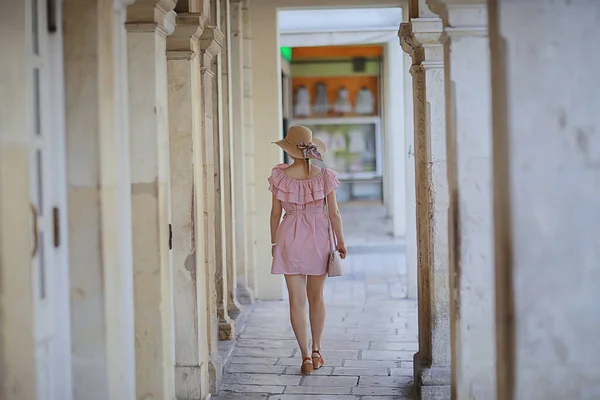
column 308, row 166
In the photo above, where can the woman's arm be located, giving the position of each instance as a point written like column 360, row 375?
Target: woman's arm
column 336, row 223
column 276, row 211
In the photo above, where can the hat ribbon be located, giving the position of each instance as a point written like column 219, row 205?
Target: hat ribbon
column 310, row 150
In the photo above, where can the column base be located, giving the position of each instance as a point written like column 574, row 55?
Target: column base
column 235, row 308
column 431, row 382
column 244, row 295
column 215, row 373
column 226, row 328
column 188, row 382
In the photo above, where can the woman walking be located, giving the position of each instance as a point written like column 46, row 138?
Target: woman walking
column 301, row 241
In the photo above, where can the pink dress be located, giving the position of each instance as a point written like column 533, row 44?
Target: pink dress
column 302, row 245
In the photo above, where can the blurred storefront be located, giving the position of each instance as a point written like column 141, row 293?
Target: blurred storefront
column 337, row 92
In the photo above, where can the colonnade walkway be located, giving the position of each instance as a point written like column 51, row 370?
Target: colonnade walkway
column 369, row 340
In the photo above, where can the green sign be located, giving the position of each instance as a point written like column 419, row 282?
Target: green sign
column 286, row 52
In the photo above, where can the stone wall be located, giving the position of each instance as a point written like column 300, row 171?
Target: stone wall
column 546, row 125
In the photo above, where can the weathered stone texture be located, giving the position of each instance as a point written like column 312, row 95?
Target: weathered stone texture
column 546, row 125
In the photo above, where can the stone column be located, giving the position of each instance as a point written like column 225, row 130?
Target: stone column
column 183, row 67
column 251, row 260
column 99, row 199
column 546, row 171
column 395, row 175
column 222, row 249
column 148, row 25
column 236, row 48
column 267, row 117
column 411, row 201
column 409, row 148
column 245, row 296
column 228, row 162
column 421, row 38
column 211, row 43
column 468, row 141
column 18, row 328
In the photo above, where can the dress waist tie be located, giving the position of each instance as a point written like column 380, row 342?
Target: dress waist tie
column 308, row 211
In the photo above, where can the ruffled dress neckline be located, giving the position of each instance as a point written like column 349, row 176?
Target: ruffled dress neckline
column 301, row 180
column 302, row 191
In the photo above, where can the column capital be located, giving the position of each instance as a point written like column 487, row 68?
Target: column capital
column 120, row 4
column 211, row 44
column 427, row 31
column 462, row 17
column 183, row 42
column 427, row 34
column 421, row 39
column 406, row 39
column 151, row 15
column 211, row 41
column 439, row 6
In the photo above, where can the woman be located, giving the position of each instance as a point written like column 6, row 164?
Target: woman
column 301, row 242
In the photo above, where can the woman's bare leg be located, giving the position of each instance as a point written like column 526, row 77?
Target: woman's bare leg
column 296, row 285
column 316, row 305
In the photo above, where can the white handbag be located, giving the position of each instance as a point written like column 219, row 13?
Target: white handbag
column 334, row 262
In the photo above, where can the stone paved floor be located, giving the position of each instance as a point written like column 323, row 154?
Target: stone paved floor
column 366, row 224
column 369, row 340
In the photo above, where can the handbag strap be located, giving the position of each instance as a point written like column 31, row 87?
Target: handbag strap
column 329, row 227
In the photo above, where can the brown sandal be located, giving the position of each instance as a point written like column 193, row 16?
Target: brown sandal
column 307, row 366
column 319, row 361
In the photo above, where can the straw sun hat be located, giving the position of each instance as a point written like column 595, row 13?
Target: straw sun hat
column 299, row 143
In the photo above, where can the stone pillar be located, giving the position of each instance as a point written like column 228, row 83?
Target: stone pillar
column 236, row 48
column 409, row 148
column 17, row 329
column 251, row 260
column 421, row 39
column 395, row 174
column 99, row 199
column 211, row 43
column 546, row 171
column 267, row 117
column 222, row 249
column 411, row 201
column 468, row 126
column 183, row 67
column 148, row 25
column 228, row 162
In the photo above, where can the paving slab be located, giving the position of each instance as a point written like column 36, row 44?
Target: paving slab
column 237, row 396
column 236, row 368
column 295, row 370
column 311, row 397
column 362, row 372
column 295, row 362
column 385, row 381
column 387, row 355
column 339, row 381
column 370, row 364
column 261, row 379
column 244, row 390
column 321, row 390
column 262, row 352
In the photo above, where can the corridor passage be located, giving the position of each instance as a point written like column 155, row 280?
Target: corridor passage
column 369, row 340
